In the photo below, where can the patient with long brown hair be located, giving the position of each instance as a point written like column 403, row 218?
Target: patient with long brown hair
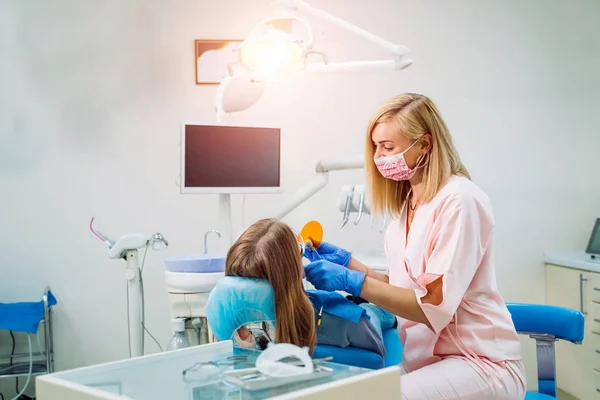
column 269, row 250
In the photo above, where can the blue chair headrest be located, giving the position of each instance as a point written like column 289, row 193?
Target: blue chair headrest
column 563, row 323
column 236, row 301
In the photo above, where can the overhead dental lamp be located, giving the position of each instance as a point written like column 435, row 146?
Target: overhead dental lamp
column 271, row 49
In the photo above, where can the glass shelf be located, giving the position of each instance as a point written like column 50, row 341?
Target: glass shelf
column 161, row 376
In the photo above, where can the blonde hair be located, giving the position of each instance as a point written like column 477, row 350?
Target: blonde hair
column 414, row 116
column 269, row 250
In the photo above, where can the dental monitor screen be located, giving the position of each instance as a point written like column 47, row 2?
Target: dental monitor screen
column 230, row 159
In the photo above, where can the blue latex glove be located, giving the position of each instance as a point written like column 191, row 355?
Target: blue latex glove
column 329, row 252
column 325, row 275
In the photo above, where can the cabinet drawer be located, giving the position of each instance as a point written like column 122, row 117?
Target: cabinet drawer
column 593, row 349
column 592, row 339
column 595, row 395
column 594, row 316
column 594, row 284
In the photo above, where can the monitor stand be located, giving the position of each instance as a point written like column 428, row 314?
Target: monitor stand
column 225, row 216
column 595, row 258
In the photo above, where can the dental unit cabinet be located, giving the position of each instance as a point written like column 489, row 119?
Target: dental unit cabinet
column 189, row 279
column 573, row 281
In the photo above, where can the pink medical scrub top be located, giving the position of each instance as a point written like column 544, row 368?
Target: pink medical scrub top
column 451, row 237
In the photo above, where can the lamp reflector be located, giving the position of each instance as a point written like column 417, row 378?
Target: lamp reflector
column 238, row 92
column 269, row 51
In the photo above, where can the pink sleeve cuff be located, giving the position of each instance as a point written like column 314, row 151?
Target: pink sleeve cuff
column 436, row 315
column 439, row 316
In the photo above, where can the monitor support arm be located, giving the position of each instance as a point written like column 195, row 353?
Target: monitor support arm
column 322, row 169
column 226, row 217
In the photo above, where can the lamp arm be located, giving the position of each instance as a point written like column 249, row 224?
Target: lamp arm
column 302, row 6
column 358, row 66
column 322, row 169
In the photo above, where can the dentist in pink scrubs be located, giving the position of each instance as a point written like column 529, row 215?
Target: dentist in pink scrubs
column 458, row 336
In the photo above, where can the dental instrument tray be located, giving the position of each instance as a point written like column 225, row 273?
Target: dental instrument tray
column 251, row 379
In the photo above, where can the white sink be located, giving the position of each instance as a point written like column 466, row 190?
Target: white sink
column 196, row 263
column 191, row 282
column 193, row 273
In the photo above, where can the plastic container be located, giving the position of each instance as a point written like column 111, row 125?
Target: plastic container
column 178, row 341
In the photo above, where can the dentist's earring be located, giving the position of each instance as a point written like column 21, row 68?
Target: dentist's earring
column 420, row 159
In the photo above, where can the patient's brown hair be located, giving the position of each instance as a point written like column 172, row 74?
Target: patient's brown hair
column 269, row 250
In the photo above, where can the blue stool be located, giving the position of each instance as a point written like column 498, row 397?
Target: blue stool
column 547, row 324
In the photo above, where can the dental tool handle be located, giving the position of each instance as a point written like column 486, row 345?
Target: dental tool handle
column 344, row 221
column 361, row 203
column 125, row 243
column 360, row 208
column 347, row 210
column 107, row 240
column 345, row 192
column 383, row 224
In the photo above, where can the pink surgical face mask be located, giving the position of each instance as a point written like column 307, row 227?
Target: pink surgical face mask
column 394, row 166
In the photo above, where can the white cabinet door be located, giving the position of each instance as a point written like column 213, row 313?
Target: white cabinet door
column 592, row 332
column 568, row 287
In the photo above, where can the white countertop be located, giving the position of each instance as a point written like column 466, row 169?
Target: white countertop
column 572, row 259
column 375, row 261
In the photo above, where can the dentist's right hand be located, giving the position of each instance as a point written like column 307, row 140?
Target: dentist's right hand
column 329, row 252
column 328, row 276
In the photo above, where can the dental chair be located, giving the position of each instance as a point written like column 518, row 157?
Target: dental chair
column 237, row 302
column 547, row 324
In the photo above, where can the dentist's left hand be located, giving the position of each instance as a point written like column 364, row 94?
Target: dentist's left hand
column 329, row 252
column 325, row 275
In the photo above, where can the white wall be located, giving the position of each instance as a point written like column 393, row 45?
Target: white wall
column 92, row 94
